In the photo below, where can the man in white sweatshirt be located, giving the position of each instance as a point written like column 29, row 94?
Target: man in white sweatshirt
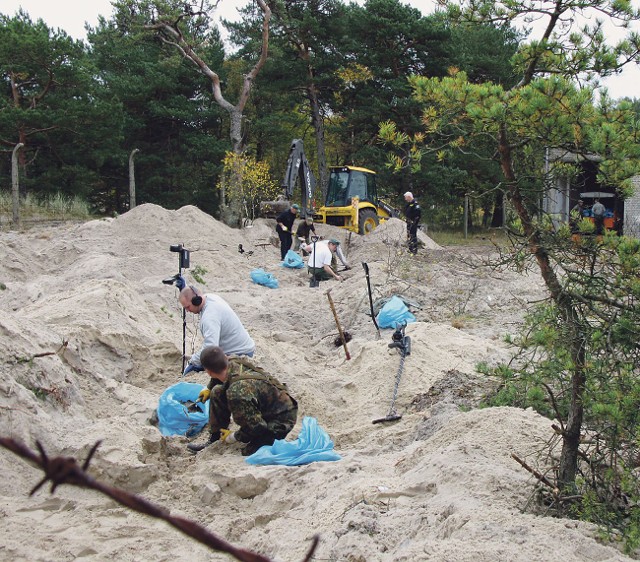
column 219, row 324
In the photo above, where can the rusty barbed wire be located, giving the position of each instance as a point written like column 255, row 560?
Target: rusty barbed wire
column 67, row 470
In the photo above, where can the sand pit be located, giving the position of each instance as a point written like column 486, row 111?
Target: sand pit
column 439, row 484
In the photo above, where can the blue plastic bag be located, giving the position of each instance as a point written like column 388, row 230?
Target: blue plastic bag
column 292, row 260
column 173, row 416
column 312, row 445
column 394, row 313
column 261, row 277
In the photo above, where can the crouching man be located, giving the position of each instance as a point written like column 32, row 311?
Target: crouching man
column 259, row 404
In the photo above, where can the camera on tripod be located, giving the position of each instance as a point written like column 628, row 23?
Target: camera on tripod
column 179, row 281
column 183, row 263
column 184, row 255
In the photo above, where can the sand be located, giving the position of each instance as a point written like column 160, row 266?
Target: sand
column 439, row 484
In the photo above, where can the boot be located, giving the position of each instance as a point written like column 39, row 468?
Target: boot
column 253, row 446
column 197, row 447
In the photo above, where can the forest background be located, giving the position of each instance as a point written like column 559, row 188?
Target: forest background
column 82, row 107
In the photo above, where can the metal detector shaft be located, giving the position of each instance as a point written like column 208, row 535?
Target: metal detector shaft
column 184, row 339
column 314, row 283
column 404, row 345
column 335, row 316
column 373, row 317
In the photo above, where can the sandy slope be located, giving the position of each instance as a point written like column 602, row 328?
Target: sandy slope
column 437, row 485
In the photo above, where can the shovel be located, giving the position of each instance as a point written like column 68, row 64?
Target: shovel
column 335, row 317
column 194, row 407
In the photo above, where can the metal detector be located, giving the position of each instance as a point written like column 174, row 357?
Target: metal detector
column 314, row 283
column 403, row 343
column 373, row 316
column 183, row 263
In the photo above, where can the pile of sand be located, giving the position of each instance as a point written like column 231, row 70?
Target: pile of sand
column 438, row 484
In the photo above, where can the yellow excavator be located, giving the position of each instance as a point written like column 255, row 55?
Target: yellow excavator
column 352, row 197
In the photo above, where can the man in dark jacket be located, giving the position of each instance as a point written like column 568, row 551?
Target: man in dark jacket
column 284, row 228
column 412, row 213
column 259, row 404
column 303, row 233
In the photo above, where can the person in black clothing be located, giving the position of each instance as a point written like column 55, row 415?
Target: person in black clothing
column 412, row 213
column 285, row 227
column 303, row 233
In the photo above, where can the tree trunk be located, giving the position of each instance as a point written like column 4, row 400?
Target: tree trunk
column 15, row 184
column 318, row 125
column 171, row 33
column 571, row 436
column 498, row 211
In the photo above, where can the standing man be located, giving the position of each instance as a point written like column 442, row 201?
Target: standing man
column 320, row 260
column 598, row 210
column 219, row 325
column 259, row 403
column 412, row 212
column 284, row 228
column 303, row 233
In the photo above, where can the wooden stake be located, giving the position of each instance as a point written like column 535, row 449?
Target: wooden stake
column 335, row 316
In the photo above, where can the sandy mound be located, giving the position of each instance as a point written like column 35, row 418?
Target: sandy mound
column 437, row 485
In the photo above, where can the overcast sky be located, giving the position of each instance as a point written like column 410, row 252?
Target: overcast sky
column 71, row 16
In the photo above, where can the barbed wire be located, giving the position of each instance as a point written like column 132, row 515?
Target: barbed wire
column 67, row 470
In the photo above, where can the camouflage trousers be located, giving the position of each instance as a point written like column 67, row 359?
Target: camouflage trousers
column 277, row 426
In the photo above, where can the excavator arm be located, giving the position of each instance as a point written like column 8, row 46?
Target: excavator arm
column 298, row 169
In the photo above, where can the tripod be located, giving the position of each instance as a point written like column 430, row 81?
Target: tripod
column 179, row 282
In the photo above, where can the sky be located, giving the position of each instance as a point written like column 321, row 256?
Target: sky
column 71, row 15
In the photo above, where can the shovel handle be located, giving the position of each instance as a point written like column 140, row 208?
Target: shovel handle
column 335, row 316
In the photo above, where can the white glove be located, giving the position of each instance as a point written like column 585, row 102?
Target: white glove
column 284, row 228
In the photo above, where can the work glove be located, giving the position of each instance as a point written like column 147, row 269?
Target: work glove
column 204, row 394
column 191, row 367
column 284, row 228
column 180, row 282
column 229, row 437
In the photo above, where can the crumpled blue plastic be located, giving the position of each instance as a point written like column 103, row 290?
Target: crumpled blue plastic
column 292, row 260
column 312, row 445
column 261, row 277
column 173, row 416
column 394, row 313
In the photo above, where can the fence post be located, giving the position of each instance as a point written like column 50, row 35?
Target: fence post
column 466, row 215
column 132, row 179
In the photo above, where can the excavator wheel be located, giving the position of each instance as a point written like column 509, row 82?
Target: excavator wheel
column 368, row 221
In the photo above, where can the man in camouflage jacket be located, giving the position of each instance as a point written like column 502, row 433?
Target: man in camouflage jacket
column 259, row 404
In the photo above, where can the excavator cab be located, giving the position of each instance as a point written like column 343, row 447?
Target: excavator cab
column 346, row 182
column 352, row 200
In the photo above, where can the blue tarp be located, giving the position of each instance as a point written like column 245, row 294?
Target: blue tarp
column 292, row 260
column 313, row 444
column 261, row 277
column 173, row 416
column 394, row 314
